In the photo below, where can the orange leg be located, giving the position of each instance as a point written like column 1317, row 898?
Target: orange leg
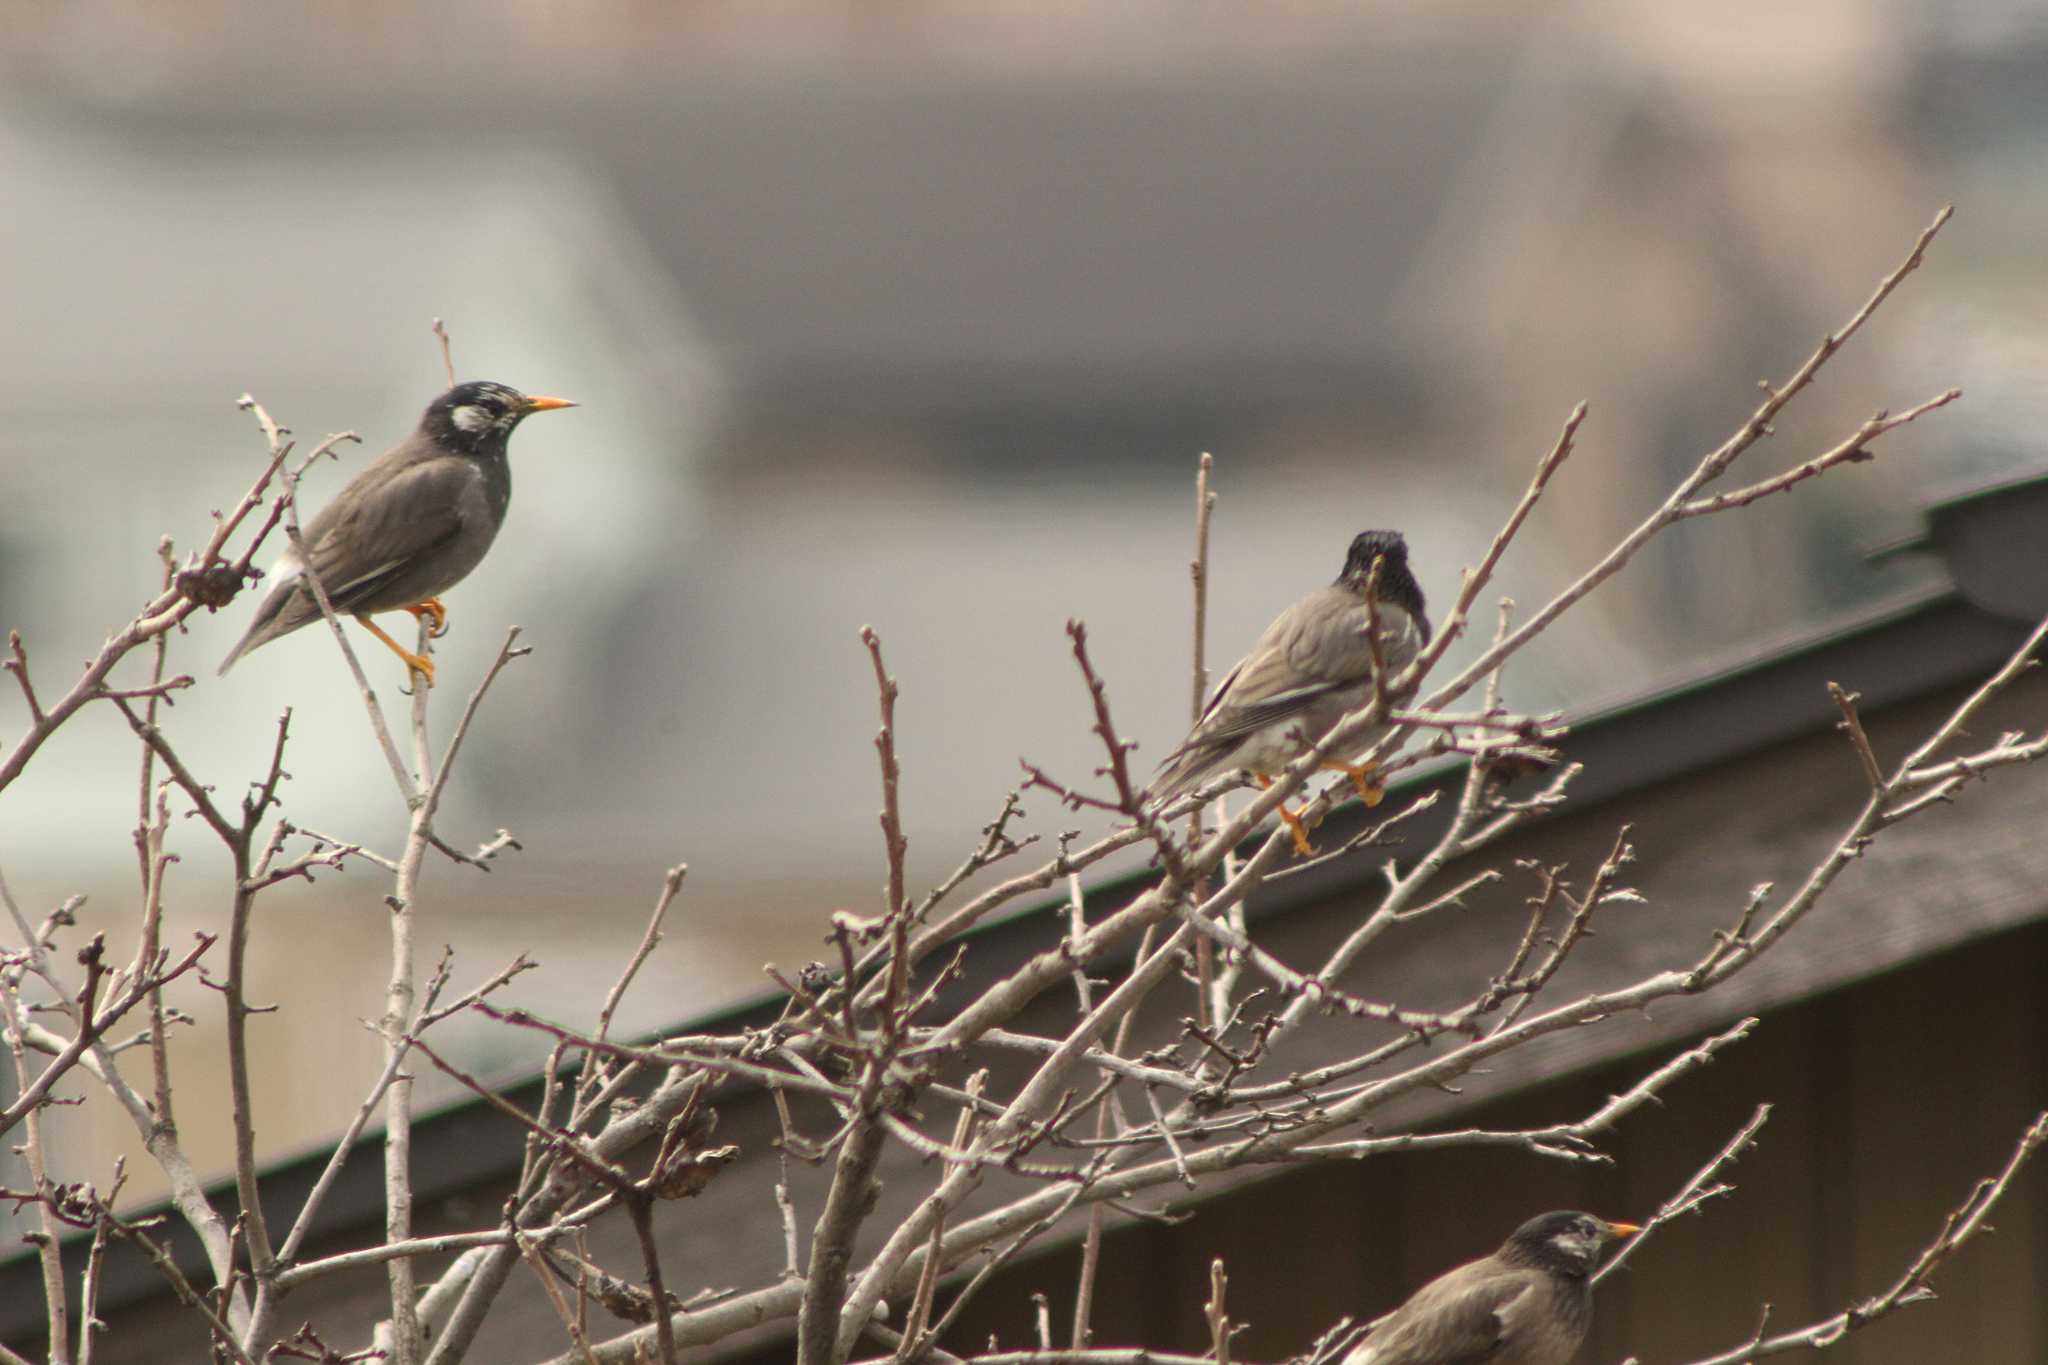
column 1294, row 823
column 418, row 663
column 1369, row 791
column 432, row 607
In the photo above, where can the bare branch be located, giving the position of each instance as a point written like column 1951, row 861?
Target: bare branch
column 1851, row 451
column 1696, row 1190
column 885, row 745
column 1963, row 1224
column 447, row 351
column 1711, row 467
column 1853, row 724
column 1214, row 1315
column 163, row 613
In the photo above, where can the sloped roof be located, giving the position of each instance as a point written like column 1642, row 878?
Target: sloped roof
column 912, row 241
column 1224, row 241
column 1906, row 657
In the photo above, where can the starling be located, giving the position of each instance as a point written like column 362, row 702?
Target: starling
column 1527, row 1304
column 1313, row 666
column 410, row 526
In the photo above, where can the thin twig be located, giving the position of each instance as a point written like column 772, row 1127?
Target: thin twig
column 1213, row 1313
column 1694, row 1192
column 1961, row 1225
column 1853, row 723
column 447, row 351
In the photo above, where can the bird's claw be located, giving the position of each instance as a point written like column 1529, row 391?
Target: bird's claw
column 420, row 664
column 436, row 627
column 1296, row 826
column 1361, row 775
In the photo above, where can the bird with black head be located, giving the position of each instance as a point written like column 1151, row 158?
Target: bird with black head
column 1312, row 667
column 410, row 526
column 1530, row 1303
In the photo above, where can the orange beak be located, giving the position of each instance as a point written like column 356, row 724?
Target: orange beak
column 1624, row 1229
column 539, row 403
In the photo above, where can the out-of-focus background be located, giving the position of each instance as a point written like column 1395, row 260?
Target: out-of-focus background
column 919, row 316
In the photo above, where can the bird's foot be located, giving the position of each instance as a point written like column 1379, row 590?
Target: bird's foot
column 1299, row 829
column 417, row 663
column 432, row 607
column 1361, row 775
column 420, row 664
column 1296, row 826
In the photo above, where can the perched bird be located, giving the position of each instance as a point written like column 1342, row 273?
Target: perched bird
column 410, row 526
column 1527, row 1304
column 1313, row 665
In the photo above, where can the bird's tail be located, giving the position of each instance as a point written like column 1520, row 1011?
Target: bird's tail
column 1183, row 770
column 272, row 620
column 242, row 646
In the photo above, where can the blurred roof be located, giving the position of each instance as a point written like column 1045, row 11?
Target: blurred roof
column 852, row 248
column 1181, row 242
column 953, row 211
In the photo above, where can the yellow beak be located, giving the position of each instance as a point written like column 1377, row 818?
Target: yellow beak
column 540, row 403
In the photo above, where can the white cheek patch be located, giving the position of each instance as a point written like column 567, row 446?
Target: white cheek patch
column 469, row 417
column 1576, row 1245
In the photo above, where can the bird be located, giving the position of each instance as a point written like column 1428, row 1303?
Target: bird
column 1529, row 1303
column 1313, row 665
column 409, row 527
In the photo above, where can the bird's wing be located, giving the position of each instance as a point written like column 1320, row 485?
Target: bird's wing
column 1316, row 647
column 1459, row 1319
column 357, row 544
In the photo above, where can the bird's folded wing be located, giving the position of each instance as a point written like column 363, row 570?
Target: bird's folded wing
column 1232, row 722
column 1317, row 647
column 376, row 535
column 1461, row 1319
